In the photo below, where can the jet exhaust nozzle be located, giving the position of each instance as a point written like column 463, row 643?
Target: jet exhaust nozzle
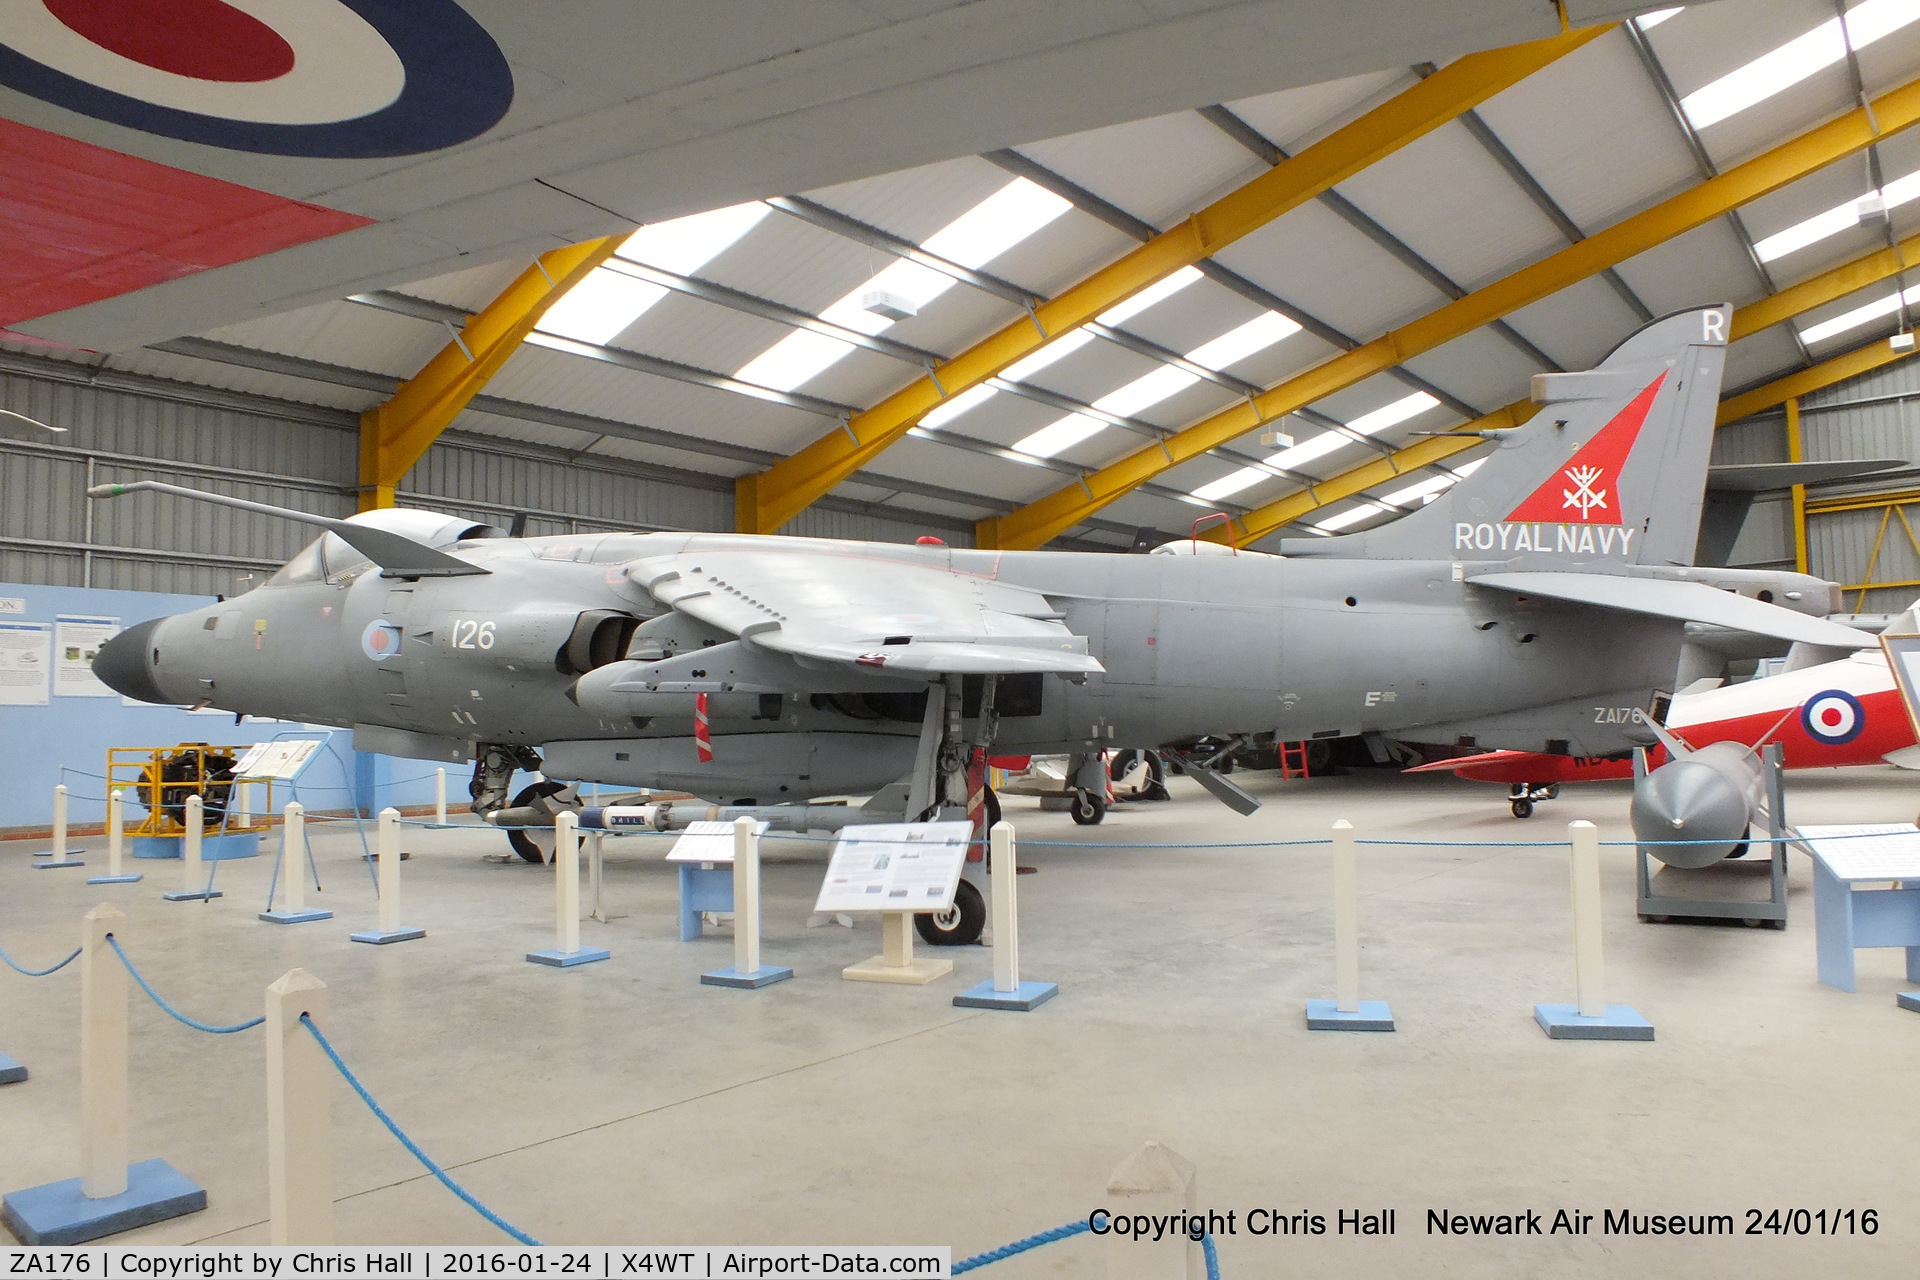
column 1710, row 796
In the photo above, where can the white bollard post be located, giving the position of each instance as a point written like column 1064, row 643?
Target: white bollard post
column 747, row 971
column 388, row 846
column 440, row 796
column 116, row 841
column 1006, row 911
column 103, row 1056
column 1157, row 1181
column 299, row 1123
column 295, row 861
column 746, row 898
column 1589, row 967
column 1590, row 1017
column 566, row 898
column 57, row 856
column 1346, row 920
column 242, row 807
column 1347, row 1011
column 193, row 875
column 1005, row 990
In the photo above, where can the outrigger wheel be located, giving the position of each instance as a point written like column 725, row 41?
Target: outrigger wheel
column 1088, row 808
column 960, row 925
column 535, row 844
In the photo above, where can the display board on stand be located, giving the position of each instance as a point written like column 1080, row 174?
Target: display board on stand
column 897, row 870
column 704, row 852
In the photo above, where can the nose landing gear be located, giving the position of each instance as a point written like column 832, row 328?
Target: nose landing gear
column 1524, row 795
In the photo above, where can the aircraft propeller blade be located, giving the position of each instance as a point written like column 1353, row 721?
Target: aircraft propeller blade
column 1226, row 792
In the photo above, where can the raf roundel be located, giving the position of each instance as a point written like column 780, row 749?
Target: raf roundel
column 1834, row 717
column 381, row 640
column 335, row 79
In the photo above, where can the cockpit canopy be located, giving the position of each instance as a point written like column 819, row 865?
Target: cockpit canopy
column 329, row 558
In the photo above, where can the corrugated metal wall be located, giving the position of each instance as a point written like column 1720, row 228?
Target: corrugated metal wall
column 295, row 456
column 1874, row 416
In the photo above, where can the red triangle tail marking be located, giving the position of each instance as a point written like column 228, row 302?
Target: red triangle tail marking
column 1587, row 489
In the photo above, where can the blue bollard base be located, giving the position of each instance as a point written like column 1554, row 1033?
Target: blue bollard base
column 57, row 1212
column 1372, row 1015
column 11, row 1072
column 214, row 846
column 193, row 895
column 381, row 937
column 1619, row 1022
column 114, row 879
column 56, row 866
column 1024, row 999
column 292, row 917
column 567, row 959
column 765, row 975
column 1908, row 1000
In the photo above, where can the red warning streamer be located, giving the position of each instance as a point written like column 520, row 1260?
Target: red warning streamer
column 702, row 739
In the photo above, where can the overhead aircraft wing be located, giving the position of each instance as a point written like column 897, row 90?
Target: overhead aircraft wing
column 869, row 612
column 1684, row 601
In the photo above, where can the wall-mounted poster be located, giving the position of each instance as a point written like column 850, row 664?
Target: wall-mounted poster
column 26, row 663
column 75, row 640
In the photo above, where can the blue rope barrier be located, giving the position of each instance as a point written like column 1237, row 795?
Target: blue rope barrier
column 1069, row 1230
column 37, row 973
column 412, row 1146
column 178, row 1016
column 1005, row 1251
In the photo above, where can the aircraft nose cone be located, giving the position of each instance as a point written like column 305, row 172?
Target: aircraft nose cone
column 1688, row 800
column 123, row 663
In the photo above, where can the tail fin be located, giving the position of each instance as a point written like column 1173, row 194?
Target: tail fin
column 1612, row 470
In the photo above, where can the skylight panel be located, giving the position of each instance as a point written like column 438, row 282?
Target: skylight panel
column 684, row 245
column 1146, row 391
column 1147, row 297
column 1858, row 316
column 1065, row 345
column 1058, row 437
column 974, row 239
column 1372, row 424
column 1235, row 345
column 1648, row 21
column 1795, row 60
column 1353, row 515
column 971, row 398
column 1319, row 447
column 599, row 307
column 1419, row 490
column 1835, row 220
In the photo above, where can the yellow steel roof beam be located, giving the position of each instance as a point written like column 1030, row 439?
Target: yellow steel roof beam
column 395, row 435
column 1826, row 287
column 1039, row 522
column 767, row 500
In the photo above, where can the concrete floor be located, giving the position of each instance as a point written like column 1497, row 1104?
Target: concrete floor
column 622, row 1102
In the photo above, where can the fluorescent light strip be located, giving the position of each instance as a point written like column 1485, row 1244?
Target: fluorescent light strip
column 1858, row 316
column 1796, row 60
column 1835, row 220
column 1065, row 345
column 1319, row 447
column 1149, row 389
column 601, row 306
column 973, row 239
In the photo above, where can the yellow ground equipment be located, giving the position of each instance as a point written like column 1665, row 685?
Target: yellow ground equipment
column 161, row 779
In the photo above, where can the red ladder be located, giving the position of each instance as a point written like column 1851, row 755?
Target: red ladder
column 1293, row 760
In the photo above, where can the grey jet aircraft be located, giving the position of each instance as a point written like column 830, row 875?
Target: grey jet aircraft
column 1536, row 605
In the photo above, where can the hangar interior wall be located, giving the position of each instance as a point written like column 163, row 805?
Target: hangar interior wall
column 304, row 456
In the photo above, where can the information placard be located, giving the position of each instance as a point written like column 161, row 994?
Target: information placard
column 75, row 640
column 908, row 866
column 26, row 662
column 706, row 841
column 279, row 761
column 1877, row 851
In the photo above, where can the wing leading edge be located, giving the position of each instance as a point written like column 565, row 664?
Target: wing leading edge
column 1682, row 601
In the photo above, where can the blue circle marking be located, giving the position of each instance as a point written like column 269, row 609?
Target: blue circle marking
column 1852, row 718
column 457, row 87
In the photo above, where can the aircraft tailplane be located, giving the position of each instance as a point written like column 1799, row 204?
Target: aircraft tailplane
column 1611, row 471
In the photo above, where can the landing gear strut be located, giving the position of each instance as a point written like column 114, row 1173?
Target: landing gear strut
column 1524, row 795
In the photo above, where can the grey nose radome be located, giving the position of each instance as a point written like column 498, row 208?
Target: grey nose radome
column 124, row 663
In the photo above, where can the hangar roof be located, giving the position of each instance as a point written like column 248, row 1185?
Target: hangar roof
column 724, row 341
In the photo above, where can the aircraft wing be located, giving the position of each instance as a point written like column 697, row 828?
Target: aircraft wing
column 1684, row 601
column 1464, row 762
column 873, row 613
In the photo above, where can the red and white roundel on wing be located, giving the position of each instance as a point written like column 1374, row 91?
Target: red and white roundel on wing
column 288, row 62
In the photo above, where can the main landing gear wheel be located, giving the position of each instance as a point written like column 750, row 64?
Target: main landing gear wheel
column 959, row 925
column 1089, row 809
column 535, row 844
column 1523, row 808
